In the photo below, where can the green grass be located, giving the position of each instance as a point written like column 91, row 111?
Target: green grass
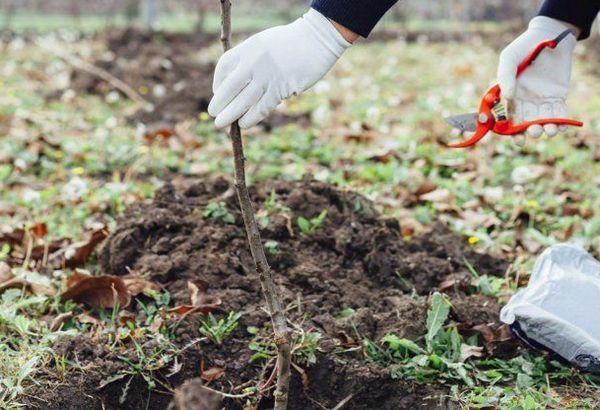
column 443, row 356
column 183, row 22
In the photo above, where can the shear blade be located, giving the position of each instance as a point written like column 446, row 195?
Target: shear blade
column 464, row 122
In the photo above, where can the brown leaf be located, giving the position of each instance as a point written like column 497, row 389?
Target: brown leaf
column 126, row 317
column 60, row 320
column 78, row 253
column 212, row 374
column 13, row 237
column 5, row 272
column 35, row 288
column 197, row 291
column 468, row 351
column 97, row 291
column 159, row 133
column 440, row 195
column 39, row 230
column 138, row 284
column 84, row 318
column 156, row 324
column 497, row 340
column 425, row 188
column 201, row 302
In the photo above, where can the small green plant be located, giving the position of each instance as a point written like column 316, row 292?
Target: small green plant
column 218, row 211
column 308, row 226
column 4, row 251
column 486, row 285
column 219, row 330
column 24, row 343
column 272, row 247
column 444, row 356
column 151, row 353
column 304, row 346
column 441, row 357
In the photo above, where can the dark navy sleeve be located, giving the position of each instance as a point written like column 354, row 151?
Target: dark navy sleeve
column 580, row 13
column 360, row 16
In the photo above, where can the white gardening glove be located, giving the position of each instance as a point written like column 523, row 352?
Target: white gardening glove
column 539, row 92
column 253, row 78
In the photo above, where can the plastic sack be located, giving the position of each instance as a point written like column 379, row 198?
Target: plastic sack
column 559, row 310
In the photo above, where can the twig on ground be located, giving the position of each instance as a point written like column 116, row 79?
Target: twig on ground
column 228, row 395
column 101, row 73
column 281, row 332
column 341, row 404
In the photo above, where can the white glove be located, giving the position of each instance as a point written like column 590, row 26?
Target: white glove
column 540, row 92
column 253, row 78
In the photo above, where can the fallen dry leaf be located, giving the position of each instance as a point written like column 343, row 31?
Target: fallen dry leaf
column 39, row 230
column 78, row 253
column 468, row 351
column 497, row 340
column 425, row 188
column 161, row 132
column 11, row 282
column 84, row 319
column 126, row 317
column 156, row 324
column 200, row 301
column 5, row 272
column 60, row 320
column 212, row 374
column 97, row 291
column 440, row 195
column 138, row 284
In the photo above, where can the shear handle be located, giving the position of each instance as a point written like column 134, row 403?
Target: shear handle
column 508, row 128
column 540, row 47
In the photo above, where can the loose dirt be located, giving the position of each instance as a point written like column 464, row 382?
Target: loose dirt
column 165, row 68
column 168, row 70
column 355, row 259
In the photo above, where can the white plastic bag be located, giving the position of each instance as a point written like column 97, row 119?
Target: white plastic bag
column 559, row 310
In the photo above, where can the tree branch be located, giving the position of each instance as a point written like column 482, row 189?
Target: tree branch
column 281, row 331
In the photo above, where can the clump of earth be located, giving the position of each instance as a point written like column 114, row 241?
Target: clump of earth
column 168, row 70
column 355, row 261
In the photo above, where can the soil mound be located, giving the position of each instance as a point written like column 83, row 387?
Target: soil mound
column 163, row 67
column 167, row 70
column 355, row 259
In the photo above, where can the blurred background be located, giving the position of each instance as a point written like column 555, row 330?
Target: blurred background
column 202, row 14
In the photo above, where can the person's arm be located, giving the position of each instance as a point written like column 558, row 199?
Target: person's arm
column 580, row 13
column 254, row 77
column 359, row 16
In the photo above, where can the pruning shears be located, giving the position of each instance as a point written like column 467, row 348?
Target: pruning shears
column 493, row 114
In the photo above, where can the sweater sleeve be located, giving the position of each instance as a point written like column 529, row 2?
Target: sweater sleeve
column 580, row 13
column 360, row 16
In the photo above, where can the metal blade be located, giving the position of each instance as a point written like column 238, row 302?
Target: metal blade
column 464, row 122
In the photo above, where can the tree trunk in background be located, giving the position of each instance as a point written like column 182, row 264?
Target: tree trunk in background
column 150, row 13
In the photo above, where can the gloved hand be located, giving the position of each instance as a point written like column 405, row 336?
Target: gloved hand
column 253, row 78
column 541, row 91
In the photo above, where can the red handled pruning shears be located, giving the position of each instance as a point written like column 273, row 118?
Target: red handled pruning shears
column 493, row 116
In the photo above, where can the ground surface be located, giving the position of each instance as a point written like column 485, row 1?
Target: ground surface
column 79, row 161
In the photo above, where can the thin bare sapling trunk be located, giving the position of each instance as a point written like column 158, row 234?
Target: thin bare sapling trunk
column 280, row 328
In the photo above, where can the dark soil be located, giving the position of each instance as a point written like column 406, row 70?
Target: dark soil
column 355, row 259
column 151, row 61
column 168, row 70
